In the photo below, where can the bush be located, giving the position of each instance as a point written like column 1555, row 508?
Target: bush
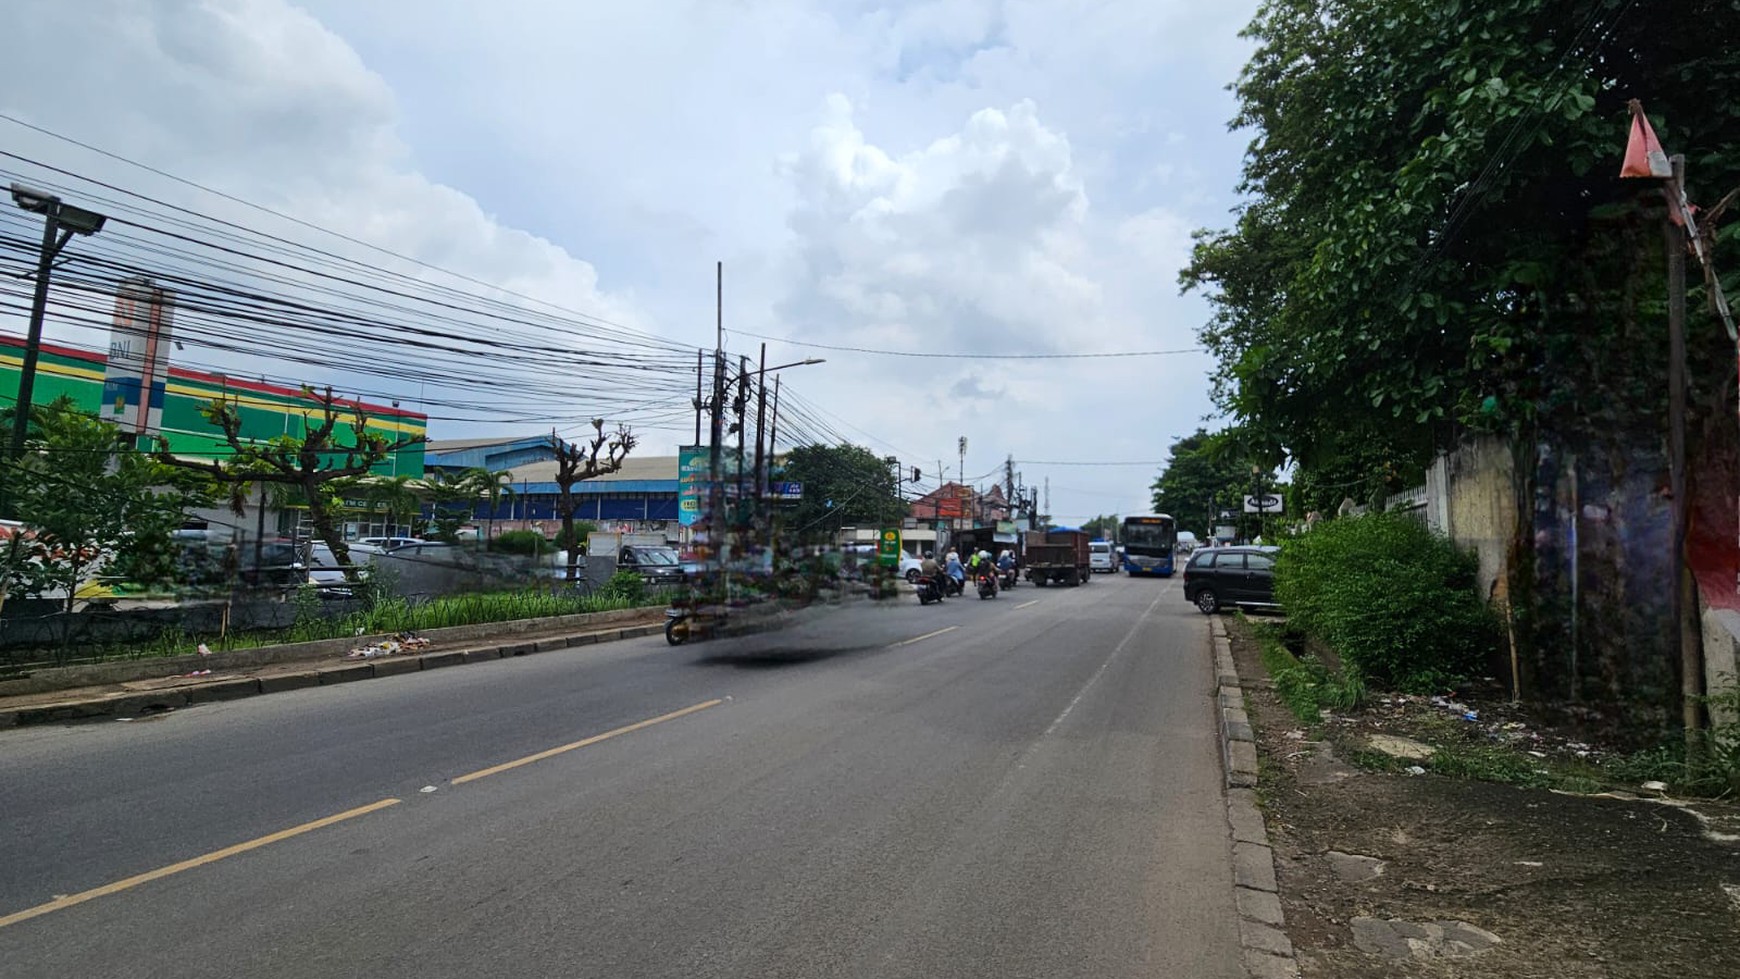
column 527, row 542
column 625, row 586
column 1392, row 599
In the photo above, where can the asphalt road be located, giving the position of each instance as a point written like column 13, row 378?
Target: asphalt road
column 1028, row 786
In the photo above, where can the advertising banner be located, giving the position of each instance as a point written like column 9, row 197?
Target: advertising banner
column 692, row 466
column 137, row 372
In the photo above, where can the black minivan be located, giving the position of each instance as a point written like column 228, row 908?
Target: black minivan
column 1228, row 577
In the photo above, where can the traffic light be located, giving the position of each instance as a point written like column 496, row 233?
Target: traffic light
column 916, row 474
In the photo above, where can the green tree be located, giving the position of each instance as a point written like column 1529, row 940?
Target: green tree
column 844, row 485
column 402, row 497
column 1204, row 475
column 317, row 463
column 1436, row 239
column 496, row 487
column 454, row 495
column 85, row 498
column 1105, row 527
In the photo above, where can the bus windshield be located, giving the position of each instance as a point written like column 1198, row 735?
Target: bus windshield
column 1149, row 535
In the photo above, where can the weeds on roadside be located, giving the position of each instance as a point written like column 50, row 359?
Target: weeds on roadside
column 1305, row 683
column 382, row 613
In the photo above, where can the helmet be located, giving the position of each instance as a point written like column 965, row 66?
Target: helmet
column 984, row 553
column 930, row 554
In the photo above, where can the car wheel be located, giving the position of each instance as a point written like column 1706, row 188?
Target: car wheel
column 912, row 574
column 1208, row 601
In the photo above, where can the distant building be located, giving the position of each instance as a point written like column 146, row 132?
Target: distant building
column 641, row 497
column 267, row 411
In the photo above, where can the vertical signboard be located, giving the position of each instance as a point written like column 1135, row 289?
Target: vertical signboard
column 137, row 374
column 888, row 548
column 692, row 466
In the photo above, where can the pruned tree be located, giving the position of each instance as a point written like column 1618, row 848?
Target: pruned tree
column 577, row 462
column 313, row 463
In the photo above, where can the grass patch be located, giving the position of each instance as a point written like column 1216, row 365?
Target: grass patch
column 385, row 616
column 1303, row 682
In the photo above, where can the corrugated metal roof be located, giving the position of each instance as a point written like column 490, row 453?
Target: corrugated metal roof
column 662, row 469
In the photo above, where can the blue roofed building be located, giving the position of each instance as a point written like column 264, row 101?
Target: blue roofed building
column 641, row 497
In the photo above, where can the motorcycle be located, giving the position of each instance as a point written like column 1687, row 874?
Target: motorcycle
column 952, row 586
column 928, row 590
column 1008, row 577
column 987, row 585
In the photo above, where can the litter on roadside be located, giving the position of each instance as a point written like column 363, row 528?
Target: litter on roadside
column 387, row 647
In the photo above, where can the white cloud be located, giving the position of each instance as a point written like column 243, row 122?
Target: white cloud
column 1005, row 175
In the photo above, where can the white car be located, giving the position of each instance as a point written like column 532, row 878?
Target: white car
column 910, row 567
column 1100, row 556
column 391, row 543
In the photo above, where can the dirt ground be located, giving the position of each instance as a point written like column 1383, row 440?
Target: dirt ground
column 1572, row 885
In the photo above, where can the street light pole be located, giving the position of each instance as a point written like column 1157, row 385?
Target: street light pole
column 33, row 340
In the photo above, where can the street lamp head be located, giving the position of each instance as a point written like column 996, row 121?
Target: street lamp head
column 812, row 360
column 68, row 216
column 31, row 199
column 78, row 219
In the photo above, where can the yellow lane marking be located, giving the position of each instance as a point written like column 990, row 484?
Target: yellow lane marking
column 908, row 642
column 200, row 861
column 1034, row 601
column 540, row 756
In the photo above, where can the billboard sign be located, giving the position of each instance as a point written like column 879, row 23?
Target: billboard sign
column 888, row 548
column 693, row 463
column 1267, row 503
column 137, row 373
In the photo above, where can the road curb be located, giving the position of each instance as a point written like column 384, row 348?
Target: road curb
column 128, row 704
column 1263, row 941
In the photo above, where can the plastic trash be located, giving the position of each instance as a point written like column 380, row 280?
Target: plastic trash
column 1653, row 786
column 204, row 650
column 1415, row 770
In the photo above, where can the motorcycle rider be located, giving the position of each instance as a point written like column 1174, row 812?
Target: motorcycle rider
column 1006, row 562
column 956, row 570
column 931, row 570
column 982, row 566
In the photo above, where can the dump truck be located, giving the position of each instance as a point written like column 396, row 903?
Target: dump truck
column 1059, row 555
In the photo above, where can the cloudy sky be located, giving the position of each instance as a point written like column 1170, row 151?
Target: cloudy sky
column 937, row 176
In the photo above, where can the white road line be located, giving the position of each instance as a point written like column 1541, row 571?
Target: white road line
column 908, row 642
column 1114, row 655
column 1034, row 601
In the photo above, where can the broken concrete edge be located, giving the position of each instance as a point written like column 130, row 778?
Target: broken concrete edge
column 129, row 703
column 94, row 674
column 1267, row 951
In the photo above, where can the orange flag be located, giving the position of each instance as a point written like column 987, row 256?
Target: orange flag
column 1644, row 156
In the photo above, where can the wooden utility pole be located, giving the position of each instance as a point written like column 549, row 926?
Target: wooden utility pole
column 1684, row 591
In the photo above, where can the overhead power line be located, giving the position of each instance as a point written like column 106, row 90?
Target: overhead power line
column 968, row 356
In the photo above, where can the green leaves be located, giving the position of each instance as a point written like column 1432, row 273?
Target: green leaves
column 1394, row 600
column 1433, row 216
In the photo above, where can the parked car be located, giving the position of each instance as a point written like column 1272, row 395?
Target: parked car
column 1231, row 577
column 910, row 567
column 391, row 543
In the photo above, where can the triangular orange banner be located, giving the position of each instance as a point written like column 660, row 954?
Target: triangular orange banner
column 1644, row 156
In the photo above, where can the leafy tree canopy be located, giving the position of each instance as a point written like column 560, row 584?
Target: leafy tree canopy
column 844, row 485
column 1436, row 237
column 83, row 498
column 1205, row 474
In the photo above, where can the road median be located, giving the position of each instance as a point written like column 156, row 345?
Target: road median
column 142, row 689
